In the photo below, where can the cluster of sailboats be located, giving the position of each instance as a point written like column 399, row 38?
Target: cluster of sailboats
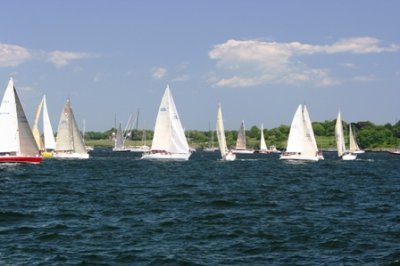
column 21, row 144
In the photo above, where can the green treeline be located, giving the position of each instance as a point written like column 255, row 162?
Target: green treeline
column 368, row 135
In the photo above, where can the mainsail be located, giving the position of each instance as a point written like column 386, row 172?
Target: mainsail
column 15, row 135
column 340, row 143
column 69, row 138
column 263, row 145
column 169, row 135
column 353, row 143
column 221, row 133
column 241, row 139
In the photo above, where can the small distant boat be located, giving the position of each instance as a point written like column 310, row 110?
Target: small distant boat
column 48, row 143
column 210, row 147
column 17, row 144
column 301, row 141
column 144, row 147
column 226, row 154
column 119, row 145
column 273, row 149
column 263, row 145
column 169, row 140
column 354, row 148
column 394, row 152
column 241, row 142
column 340, row 142
column 69, row 141
column 87, row 147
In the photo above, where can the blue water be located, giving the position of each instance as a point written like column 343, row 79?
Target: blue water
column 119, row 210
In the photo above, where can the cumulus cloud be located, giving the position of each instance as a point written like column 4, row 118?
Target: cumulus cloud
column 62, row 58
column 244, row 63
column 13, row 55
column 367, row 78
column 159, row 72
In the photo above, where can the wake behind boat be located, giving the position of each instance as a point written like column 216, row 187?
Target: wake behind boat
column 301, row 142
column 17, row 144
column 169, row 141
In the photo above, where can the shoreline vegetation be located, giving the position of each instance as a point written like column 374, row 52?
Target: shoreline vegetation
column 369, row 136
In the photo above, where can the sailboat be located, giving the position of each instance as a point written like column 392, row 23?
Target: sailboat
column 340, row 142
column 241, row 141
column 263, row 145
column 210, row 147
column 354, row 148
column 226, row 154
column 143, row 147
column 17, row 144
column 69, row 142
column 48, row 144
column 169, row 141
column 119, row 144
column 301, row 142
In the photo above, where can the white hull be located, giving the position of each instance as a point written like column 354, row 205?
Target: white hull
column 299, row 157
column 72, row 155
column 349, row 156
column 166, row 156
column 358, row 152
column 229, row 157
column 210, row 149
column 242, row 151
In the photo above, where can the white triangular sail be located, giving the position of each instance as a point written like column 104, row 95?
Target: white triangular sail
column 15, row 135
column 301, row 142
column 340, row 142
column 69, row 138
column 35, row 127
column 353, row 143
column 226, row 154
column 221, row 133
column 48, row 134
column 263, row 145
column 169, row 135
column 119, row 139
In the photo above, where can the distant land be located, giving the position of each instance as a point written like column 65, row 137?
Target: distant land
column 369, row 136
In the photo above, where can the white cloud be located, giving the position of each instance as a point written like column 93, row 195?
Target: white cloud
column 13, row 55
column 252, row 62
column 62, row 58
column 159, row 72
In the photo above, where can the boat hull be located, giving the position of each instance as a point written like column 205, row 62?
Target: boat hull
column 72, row 155
column 21, row 159
column 358, row 152
column 299, row 157
column 166, row 156
column 243, row 151
column 349, row 156
column 229, row 157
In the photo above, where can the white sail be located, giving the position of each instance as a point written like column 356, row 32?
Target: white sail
column 296, row 134
column 169, row 136
column 301, row 142
column 35, row 127
column 225, row 153
column 340, row 142
column 69, row 143
column 119, row 139
column 354, row 148
column 263, row 145
column 15, row 135
column 49, row 140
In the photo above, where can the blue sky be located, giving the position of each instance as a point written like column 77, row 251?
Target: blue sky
column 259, row 59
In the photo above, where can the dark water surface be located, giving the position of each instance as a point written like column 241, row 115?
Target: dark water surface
column 116, row 209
